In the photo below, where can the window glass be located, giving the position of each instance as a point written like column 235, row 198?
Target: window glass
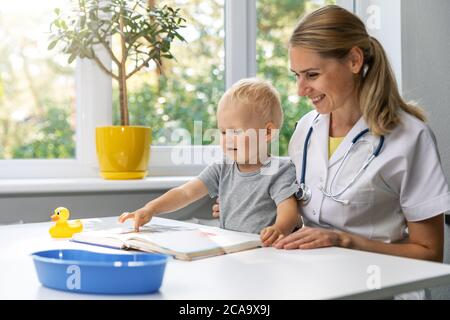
column 190, row 86
column 37, row 86
column 275, row 22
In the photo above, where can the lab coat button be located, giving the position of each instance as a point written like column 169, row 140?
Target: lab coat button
column 314, row 212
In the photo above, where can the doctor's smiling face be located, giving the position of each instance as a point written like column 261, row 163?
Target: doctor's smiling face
column 328, row 82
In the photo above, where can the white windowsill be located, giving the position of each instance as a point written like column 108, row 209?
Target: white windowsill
column 78, row 185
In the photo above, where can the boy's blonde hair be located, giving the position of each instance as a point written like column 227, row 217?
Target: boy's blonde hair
column 259, row 96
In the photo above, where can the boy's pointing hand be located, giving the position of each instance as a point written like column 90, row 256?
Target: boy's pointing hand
column 140, row 216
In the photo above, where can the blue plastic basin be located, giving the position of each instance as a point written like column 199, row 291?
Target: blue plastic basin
column 93, row 272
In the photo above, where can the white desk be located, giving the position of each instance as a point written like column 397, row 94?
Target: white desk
column 264, row 273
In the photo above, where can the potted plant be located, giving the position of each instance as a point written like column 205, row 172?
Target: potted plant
column 145, row 35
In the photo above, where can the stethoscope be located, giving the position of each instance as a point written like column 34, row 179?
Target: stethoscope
column 304, row 192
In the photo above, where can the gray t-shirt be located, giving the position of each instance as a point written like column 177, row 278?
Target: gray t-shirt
column 248, row 201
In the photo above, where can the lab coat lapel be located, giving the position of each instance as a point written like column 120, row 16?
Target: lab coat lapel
column 359, row 126
column 319, row 144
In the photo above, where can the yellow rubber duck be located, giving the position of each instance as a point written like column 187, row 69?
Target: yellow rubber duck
column 64, row 228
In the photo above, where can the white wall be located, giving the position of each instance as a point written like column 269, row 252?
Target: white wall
column 383, row 21
column 416, row 37
column 425, row 59
column 39, row 206
column 426, row 65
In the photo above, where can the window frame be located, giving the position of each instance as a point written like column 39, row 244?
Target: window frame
column 94, row 106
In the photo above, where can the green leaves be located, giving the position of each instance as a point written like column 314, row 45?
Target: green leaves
column 72, row 57
column 146, row 33
column 56, row 141
column 52, row 44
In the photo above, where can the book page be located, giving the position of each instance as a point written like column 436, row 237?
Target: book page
column 183, row 240
column 191, row 241
column 118, row 237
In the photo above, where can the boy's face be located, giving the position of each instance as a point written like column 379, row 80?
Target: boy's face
column 243, row 135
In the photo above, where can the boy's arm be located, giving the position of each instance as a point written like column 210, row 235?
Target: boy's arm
column 170, row 201
column 287, row 219
column 287, row 216
column 178, row 197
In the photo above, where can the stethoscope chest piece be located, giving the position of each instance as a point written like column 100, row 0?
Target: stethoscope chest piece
column 303, row 194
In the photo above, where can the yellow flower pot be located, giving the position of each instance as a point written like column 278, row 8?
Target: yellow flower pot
column 123, row 151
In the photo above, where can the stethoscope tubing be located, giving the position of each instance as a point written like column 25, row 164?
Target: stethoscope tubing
column 306, row 193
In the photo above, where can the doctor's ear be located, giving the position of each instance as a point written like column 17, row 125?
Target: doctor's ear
column 355, row 59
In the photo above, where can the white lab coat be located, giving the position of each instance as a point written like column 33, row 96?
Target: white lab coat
column 404, row 183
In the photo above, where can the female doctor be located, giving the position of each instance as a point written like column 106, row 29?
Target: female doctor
column 382, row 189
column 368, row 164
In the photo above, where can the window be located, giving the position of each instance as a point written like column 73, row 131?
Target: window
column 275, row 22
column 37, row 87
column 189, row 87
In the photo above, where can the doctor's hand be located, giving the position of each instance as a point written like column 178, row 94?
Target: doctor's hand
column 309, row 238
column 216, row 209
column 140, row 216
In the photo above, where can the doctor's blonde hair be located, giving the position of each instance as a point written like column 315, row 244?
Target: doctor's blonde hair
column 259, row 96
column 332, row 32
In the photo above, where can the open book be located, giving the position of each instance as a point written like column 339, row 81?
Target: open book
column 184, row 241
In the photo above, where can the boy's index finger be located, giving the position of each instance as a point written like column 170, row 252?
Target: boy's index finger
column 136, row 223
column 125, row 216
